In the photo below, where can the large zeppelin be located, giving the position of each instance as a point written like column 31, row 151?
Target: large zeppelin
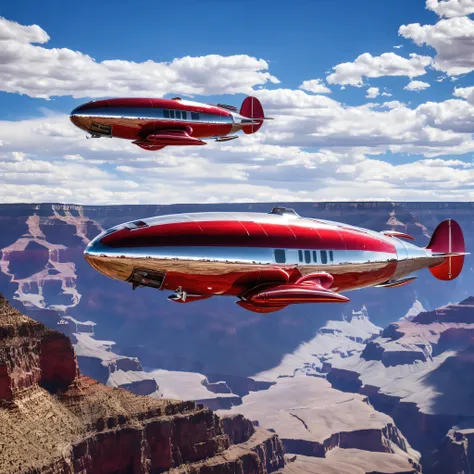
column 268, row 261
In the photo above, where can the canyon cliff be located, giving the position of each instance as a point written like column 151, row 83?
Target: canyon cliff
column 54, row 420
column 420, row 373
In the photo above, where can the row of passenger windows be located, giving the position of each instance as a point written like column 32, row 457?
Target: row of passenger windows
column 307, row 256
column 180, row 114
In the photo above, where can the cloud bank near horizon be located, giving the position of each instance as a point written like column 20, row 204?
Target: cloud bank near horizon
column 318, row 148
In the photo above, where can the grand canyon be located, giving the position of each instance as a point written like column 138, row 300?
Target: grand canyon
column 380, row 384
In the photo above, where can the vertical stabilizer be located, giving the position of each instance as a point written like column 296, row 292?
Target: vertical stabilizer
column 447, row 239
column 252, row 108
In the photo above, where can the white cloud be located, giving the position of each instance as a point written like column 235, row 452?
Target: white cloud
column 451, row 8
column 393, row 104
column 420, row 175
column 372, row 92
column 318, row 148
column 311, row 121
column 451, row 115
column 466, row 93
column 387, row 64
column 399, row 46
column 453, row 40
column 54, row 162
column 41, row 72
column 416, row 86
column 315, row 85
column 74, row 157
column 11, row 30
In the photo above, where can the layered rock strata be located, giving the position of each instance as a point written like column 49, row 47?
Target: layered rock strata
column 314, row 420
column 420, row 373
column 54, row 420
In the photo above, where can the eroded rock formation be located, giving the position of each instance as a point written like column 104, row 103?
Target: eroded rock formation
column 54, row 420
column 420, row 373
column 315, row 421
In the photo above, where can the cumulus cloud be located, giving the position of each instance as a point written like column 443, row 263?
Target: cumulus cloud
column 417, row 86
column 451, row 8
column 372, row 92
column 54, row 161
column 317, row 149
column 387, row 64
column 465, row 93
column 315, row 85
column 393, row 104
column 317, row 121
column 451, row 115
column 418, row 175
column 453, row 40
column 11, row 30
column 43, row 72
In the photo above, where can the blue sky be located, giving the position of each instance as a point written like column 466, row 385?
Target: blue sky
column 299, row 43
column 334, row 146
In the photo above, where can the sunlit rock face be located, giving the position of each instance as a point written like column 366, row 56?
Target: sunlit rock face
column 313, row 419
column 420, row 373
column 57, row 421
column 40, row 262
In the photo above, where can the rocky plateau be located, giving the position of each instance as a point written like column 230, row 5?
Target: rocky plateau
column 420, row 373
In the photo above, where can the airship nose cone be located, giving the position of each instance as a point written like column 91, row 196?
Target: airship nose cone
column 92, row 254
column 94, row 262
column 99, row 257
column 106, row 260
column 76, row 117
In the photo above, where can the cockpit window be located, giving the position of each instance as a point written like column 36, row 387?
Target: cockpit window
column 140, row 224
column 324, row 257
column 194, row 116
column 282, row 211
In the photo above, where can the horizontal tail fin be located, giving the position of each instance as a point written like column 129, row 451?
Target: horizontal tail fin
column 252, row 108
column 448, row 240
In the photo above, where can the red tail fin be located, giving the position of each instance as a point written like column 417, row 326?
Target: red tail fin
column 447, row 239
column 252, row 108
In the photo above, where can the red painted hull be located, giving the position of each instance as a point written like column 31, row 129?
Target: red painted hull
column 247, row 234
column 151, row 123
column 268, row 261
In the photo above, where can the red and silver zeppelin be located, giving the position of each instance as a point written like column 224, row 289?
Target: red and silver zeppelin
column 153, row 124
column 268, row 261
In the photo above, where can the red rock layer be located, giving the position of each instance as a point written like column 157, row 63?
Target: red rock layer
column 54, row 420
